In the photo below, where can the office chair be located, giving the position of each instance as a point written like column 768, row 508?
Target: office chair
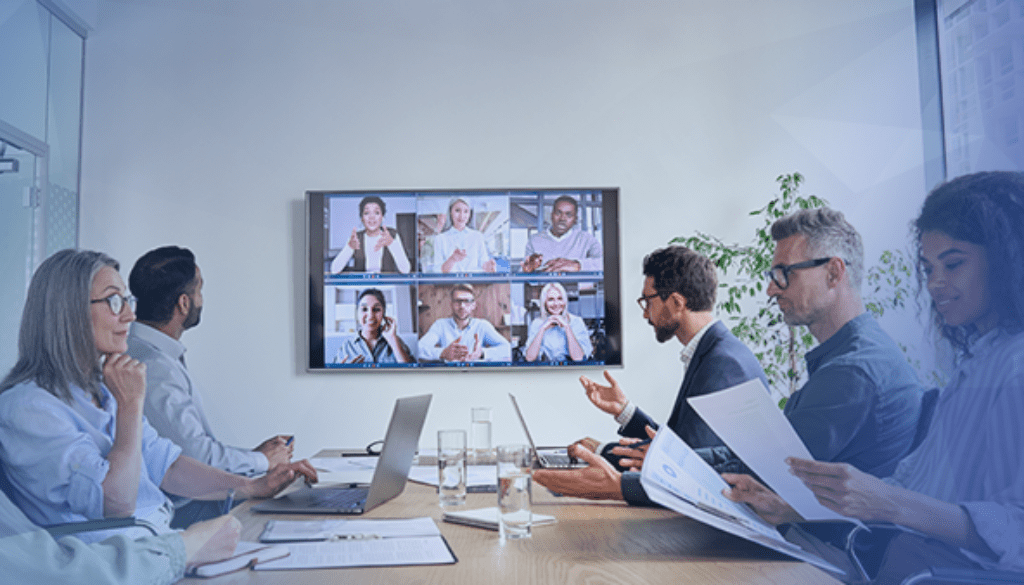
column 68, row 528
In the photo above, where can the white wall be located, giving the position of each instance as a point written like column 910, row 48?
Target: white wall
column 205, row 122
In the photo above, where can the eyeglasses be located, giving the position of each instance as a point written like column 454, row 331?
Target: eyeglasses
column 117, row 302
column 645, row 300
column 779, row 274
column 463, row 301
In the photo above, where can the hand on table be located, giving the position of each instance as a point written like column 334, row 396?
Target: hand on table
column 598, row 481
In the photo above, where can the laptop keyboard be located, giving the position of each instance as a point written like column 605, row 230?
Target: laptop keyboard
column 347, row 498
column 557, row 460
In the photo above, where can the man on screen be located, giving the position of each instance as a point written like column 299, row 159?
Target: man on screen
column 561, row 248
column 462, row 337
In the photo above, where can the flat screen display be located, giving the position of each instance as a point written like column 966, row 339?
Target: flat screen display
column 430, row 280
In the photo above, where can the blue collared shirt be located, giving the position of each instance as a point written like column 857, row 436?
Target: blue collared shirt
column 355, row 346
column 444, row 331
column 861, row 402
column 55, row 455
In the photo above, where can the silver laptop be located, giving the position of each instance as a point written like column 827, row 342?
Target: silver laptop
column 546, row 458
column 389, row 477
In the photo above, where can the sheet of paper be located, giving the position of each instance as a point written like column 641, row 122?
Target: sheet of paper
column 299, row 530
column 677, row 478
column 385, row 552
column 754, row 427
column 476, row 475
column 343, row 470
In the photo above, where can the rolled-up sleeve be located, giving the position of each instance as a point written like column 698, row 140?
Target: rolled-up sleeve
column 55, row 466
column 158, row 453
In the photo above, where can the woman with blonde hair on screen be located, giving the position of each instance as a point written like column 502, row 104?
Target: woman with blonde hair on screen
column 557, row 336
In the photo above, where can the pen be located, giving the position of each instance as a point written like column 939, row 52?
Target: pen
column 289, row 441
column 229, row 502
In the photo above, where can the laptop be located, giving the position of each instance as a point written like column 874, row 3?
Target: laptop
column 389, row 477
column 546, row 458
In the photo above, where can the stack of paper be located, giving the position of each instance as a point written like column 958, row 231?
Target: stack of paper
column 488, row 518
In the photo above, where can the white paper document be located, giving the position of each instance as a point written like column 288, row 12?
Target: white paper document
column 338, row 529
column 384, row 552
column 356, row 543
column 674, row 476
column 757, row 431
column 344, row 470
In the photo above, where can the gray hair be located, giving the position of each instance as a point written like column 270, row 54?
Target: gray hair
column 544, row 298
column 828, row 234
column 56, row 348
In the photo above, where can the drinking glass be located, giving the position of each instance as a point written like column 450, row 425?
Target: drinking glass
column 515, row 515
column 451, row 467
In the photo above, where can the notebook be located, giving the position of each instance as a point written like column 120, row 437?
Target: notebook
column 392, row 471
column 546, row 458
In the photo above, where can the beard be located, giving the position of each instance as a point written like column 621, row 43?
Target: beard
column 192, row 319
column 664, row 332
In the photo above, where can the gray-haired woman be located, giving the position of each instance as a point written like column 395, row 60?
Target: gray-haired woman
column 73, row 441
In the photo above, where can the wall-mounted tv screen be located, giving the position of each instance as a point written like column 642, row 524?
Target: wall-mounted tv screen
column 465, row 279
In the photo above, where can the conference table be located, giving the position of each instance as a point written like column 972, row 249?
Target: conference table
column 591, row 543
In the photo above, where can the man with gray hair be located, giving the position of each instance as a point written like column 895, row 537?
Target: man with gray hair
column 862, row 400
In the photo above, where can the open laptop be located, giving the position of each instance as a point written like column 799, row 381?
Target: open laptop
column 389, row 477
column 546, row 458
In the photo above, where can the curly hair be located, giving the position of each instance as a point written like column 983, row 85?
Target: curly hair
column 986, row 209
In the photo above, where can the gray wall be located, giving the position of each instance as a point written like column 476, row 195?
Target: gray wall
column 206, row 121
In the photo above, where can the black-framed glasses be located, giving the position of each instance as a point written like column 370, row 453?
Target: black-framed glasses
column 116, row 302
column 645, row 300
column 779, row 274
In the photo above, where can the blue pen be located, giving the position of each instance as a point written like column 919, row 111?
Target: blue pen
column 229, row 502
column 289, row 441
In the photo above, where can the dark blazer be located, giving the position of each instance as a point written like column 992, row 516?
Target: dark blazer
column 721, row 361
column 358, row 262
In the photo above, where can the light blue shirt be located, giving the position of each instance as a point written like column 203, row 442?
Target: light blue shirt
column 973, row 453
column 470, row 240
column 554, row 346
column 355, row 346
column 174, row 404
column 444, row 331
column 55, row 455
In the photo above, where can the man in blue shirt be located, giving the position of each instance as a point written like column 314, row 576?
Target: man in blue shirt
column 462, row 337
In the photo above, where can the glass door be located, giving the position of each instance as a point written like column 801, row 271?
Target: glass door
column 23, row 179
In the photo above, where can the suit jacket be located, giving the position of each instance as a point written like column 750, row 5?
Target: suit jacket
column 721, row 361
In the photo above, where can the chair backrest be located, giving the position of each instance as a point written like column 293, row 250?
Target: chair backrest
column 928, row 401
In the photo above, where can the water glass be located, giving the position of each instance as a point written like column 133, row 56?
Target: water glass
column 451, row 467
column 480, row 433
column 515, row 514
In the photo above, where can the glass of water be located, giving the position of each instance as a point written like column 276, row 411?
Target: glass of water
column 480, row 436
column 515, row 514
column 451, row 467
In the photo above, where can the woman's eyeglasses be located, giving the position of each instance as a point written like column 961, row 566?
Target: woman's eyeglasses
column 116, row 302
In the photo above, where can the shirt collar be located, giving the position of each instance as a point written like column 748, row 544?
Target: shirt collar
column 686, row 355
column 163, row 342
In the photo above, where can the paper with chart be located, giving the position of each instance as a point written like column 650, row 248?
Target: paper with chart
column 753, row 426
column 674, row 476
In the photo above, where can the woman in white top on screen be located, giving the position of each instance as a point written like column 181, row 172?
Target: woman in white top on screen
column 377, row 340
column 461, row 248
column 375, row 248
column 557, row 335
